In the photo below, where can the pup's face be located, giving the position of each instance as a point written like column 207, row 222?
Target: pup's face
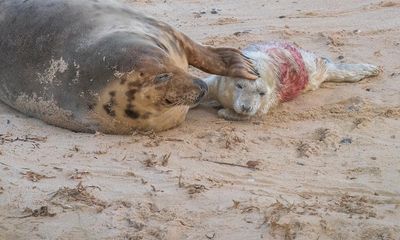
column 248, row 96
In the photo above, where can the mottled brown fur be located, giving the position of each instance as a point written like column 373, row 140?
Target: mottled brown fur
column 103, row 66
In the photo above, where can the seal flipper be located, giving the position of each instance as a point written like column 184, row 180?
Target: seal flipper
column 219, row 61
column 350, row 72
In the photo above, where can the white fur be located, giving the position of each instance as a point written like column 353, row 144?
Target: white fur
column 242, row 103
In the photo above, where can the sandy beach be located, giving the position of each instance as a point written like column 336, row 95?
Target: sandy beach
column 324, row 166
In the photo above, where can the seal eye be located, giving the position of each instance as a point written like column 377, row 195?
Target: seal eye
column 162, row 78
column 262, row 93
column 168, row 102
column 238, row 85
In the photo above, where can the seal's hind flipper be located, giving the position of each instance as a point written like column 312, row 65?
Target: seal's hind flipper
column 350, row 72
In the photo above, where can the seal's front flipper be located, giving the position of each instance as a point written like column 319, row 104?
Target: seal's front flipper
column 219, row 61
column 234, row 63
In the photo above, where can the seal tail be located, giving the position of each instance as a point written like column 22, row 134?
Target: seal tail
column 350, row 72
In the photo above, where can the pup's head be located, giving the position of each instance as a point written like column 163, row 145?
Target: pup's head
column 248, row 96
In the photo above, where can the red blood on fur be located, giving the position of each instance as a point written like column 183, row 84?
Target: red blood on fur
column 293, row 75
column 293, row 78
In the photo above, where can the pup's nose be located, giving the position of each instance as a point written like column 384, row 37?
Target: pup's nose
column 246, row 108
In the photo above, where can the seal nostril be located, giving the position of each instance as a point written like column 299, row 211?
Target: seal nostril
column 202, row 85
column 246, row 109
column 201, row 95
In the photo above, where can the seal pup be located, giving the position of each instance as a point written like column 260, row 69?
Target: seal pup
column 98, row 65
column 286, row 70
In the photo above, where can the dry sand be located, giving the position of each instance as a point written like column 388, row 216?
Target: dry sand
column 324, row 166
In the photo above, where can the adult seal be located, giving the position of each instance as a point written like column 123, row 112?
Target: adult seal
column 98, row 65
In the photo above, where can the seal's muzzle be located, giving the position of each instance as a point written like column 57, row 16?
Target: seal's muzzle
column 203, row 89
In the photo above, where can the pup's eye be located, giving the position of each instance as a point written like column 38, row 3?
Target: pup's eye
column 262, row 93
column 239, row 86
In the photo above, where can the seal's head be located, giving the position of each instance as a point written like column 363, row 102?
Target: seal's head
column 166, row 89
column 163, row 102
column 178, row 88
column 247, row 96
column 153, row 96
column 160, row 82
